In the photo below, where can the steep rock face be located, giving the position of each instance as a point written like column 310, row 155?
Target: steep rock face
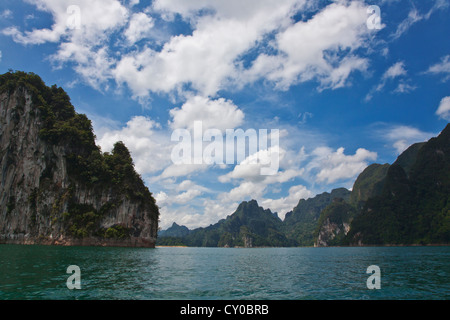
column 414, row 205
column 334, row 223
column 368, row 184
column 300, row 224
column 329, row 232
column 42, row 199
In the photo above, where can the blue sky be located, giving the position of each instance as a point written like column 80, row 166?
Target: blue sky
column 343, row 91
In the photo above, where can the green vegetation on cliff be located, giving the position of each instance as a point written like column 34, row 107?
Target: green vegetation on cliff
column 407, row 202
column 334, row 222
column 249, row 226
column 300, row 224
column 368, row 184
column 413, row 208
column 87, row 166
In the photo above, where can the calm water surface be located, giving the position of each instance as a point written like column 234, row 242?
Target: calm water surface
column 39, row 272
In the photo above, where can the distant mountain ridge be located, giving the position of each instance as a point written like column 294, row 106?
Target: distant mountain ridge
column 249, row 226
column 407, row 202
column 174, row 231
column 252, row 226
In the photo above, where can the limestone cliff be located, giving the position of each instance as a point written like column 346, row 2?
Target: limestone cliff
column 330, row 232
column 56, row 186
column 334, row 223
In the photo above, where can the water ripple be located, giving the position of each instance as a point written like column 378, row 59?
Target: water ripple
column 39, row 272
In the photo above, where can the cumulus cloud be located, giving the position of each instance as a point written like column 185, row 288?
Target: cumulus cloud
column 212, row 56
column 97, row 19
column 230, row 43
column 401, row 137
column 148, row 145
column 83, row 29
column 332, row 166
column 139, row 27
column 181, row 170
column 251, row 167
column 313, row 49
column 396, row 70
column 205, row 59
column 190, row 204
column 444, row 109
column 285, row 204
column 218, row 114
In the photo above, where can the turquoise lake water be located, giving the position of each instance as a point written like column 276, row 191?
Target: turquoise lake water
column 40, row 272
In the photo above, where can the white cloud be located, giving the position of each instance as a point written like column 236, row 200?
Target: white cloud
column 401, row 136
column 415, row 16
column 395, row 71
column 197, row 212
column 161, row 198
column 207, row 58
column 244, row 191
column 186, row 196
column 184, row 215
column 335, row 166
column 219, row 114
column 139, row 27
column 148, row 145
column 211, row 57
column 313, row 49
column 182, row 170
column 323, row 166
column 250, row 168
column 97, row 19
column 6, row 14
column 182, row 193
column 444, row 109
column 83, row 35
column 441, row 68
column 134, row 2
column 285, row 204
column 251, row 184
column 404, row 87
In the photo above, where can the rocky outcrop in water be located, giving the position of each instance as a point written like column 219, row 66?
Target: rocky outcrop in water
column 56, row 186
